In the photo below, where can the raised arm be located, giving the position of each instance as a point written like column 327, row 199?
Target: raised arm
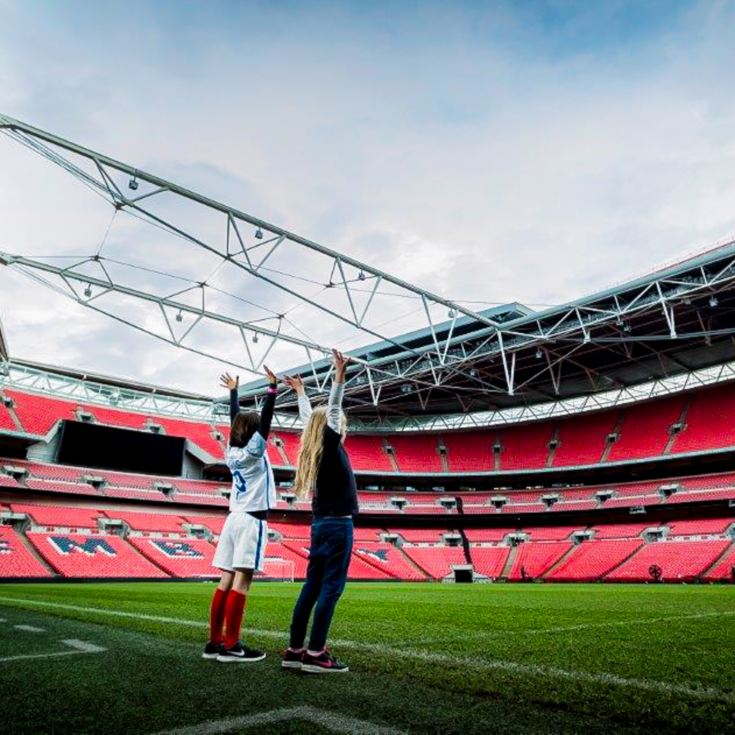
column 334, row 407
column 266, row 413
column 232, row 384
column 297, row 385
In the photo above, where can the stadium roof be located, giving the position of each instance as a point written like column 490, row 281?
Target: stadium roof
column 671, row 322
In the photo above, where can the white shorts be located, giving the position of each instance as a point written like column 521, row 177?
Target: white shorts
column 242, row 543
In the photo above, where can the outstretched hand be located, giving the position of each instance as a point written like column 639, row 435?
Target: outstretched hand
column 272, row 377
column 295, row 383
column 227, row 381
column 340, row 362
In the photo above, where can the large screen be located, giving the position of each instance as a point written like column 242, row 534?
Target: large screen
column 104, row 447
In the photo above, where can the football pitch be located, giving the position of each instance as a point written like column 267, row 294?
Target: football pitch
column 125, row 658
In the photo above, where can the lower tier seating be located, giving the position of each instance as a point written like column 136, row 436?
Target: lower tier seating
column 533, row 559
column 436, row 561
column 591, row 560
column 177, row 557
column 389, row 559
column 680, row 561
column 15, row 559
column 77, row 556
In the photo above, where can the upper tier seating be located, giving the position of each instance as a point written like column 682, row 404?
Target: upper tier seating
column 367, row 453
column 680, row 561
column 72, row 555
column 15, row 559
column 591, row 560
column 583, row 439
column 525, row 446
column 470, row 451
column 417, row 452
column 644, row 431
column 290, row 442
column 39, row 414
column 710, row 421
column 6, row 420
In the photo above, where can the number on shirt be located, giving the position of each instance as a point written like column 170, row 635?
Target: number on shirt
column 240, row 484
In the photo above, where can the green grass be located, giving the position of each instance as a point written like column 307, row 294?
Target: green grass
column 424, row 658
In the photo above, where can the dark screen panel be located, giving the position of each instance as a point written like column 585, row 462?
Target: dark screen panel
column 105, row 447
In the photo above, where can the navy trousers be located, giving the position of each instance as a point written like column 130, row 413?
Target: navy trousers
column 326, row 575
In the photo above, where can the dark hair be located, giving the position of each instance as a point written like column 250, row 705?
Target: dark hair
column 244, row 425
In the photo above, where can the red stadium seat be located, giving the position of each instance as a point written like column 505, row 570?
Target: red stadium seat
column 72, row 555
column 15, row 559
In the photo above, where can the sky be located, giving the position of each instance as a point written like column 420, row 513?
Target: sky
column 488, row 152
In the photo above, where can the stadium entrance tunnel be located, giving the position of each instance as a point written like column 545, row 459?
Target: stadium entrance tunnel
column 464, row 575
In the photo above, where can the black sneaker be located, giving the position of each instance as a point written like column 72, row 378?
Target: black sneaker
column 324, row 663
column 240, row 654
column 212, row 650
column 292, row 659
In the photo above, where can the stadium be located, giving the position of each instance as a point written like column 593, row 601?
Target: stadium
column 546, row 535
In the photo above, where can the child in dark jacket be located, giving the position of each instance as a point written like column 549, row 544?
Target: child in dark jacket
column 323, row 473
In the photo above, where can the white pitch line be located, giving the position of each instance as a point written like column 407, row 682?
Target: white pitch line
column 78, row 646
column 83, row 646
column 603, row 678
column 29, row 628
column 329, row 720
column 494, row 634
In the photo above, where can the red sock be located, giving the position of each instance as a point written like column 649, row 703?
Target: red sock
column 217, row 615
column 233, row 617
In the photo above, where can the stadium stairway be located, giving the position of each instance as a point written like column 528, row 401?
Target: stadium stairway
column 509, row 562
column 727, row 551
column 31, row 549
column 558, row 562
column 413, row 564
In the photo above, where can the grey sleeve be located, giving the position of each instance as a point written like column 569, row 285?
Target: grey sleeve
column 304, row 408
column 334, row 407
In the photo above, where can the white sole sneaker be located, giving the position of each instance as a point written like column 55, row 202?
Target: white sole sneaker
column 291, row 665
column 310, row 669
column 224, row 659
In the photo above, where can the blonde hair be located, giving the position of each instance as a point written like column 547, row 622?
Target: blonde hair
column 310, row 451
